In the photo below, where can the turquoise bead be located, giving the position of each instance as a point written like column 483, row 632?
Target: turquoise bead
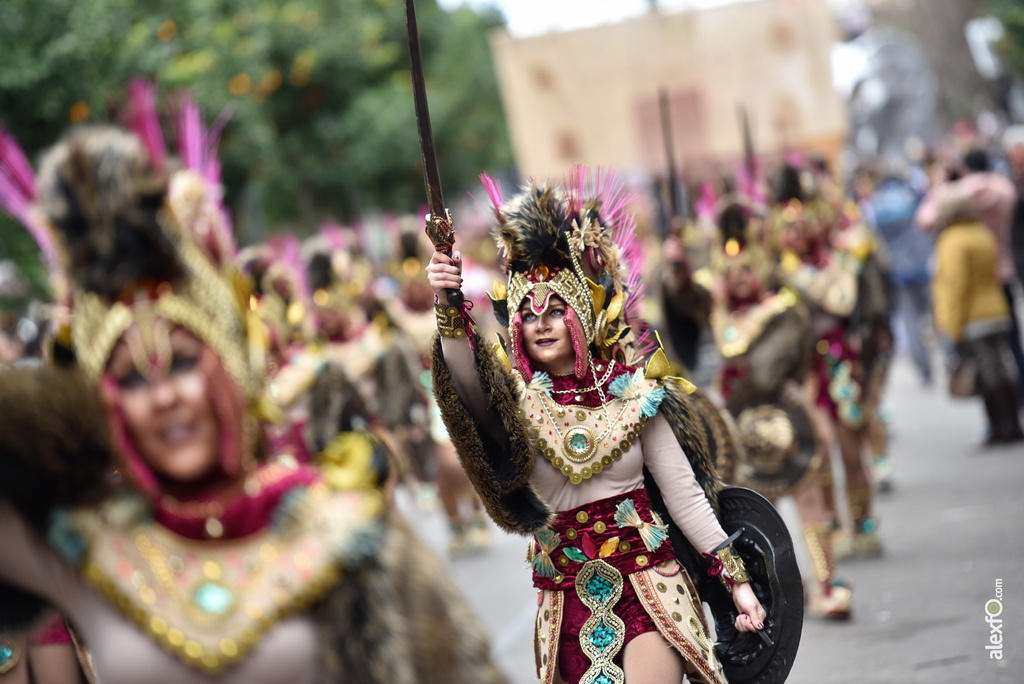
column 6, row 654
column 214, row 598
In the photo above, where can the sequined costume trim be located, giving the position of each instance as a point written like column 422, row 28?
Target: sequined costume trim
column 582, row 442
column 549, row 626
column 583, row 553
column 833, row 288
column 735, row 331
column 599, row 586
column 210, row 603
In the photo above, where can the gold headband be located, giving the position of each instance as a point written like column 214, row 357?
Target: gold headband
column 211, row 304
column 573, row 290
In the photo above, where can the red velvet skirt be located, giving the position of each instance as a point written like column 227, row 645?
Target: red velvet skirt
column 590, row 532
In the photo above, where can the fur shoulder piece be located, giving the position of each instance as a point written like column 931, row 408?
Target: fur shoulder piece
column 54, row 445
column 784, row 351
column 400, row 619
column 499, row 469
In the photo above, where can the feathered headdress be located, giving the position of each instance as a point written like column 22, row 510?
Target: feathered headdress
column 145, row 246
column 735, row 244
column 575, row 241
column 337, row 277
column 142, row 243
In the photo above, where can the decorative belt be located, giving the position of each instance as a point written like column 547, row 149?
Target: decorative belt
column 621, row 530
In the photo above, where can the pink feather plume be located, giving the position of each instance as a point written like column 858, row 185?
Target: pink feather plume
column 18, row 192
column 335, row 235
column 288, row 252
column 143, row 120
column 197, row 148
column 493, row 188
column 706, row 205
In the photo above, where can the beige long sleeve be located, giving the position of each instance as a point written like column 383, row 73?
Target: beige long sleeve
column 684, row 497
column 459, row 357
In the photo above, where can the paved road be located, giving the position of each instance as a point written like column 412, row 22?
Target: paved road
column 953, row 528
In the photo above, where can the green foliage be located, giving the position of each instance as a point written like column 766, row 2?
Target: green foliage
column 322, row 121
column 17, row 245
column 1011, row 14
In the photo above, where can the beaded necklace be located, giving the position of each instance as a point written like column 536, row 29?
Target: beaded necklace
column 579, row 443
column 596, row 386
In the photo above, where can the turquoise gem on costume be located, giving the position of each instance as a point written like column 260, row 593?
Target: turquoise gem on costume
column 575, row 554
column 578, row 443
column 599, row 588
column 730, row 333
column 603, row 636
column 214, row 598
column 9, row 656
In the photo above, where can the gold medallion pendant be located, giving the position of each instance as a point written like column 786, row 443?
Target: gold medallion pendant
column 579, row 444
column 10, row 654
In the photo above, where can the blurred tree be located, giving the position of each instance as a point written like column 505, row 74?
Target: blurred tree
column 318, row 91
column 1011, row 14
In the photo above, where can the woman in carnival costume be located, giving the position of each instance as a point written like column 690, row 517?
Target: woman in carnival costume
column 764, row 338
column 567, row 441
column 435, row 463
column 206, row 559
column 828, row 280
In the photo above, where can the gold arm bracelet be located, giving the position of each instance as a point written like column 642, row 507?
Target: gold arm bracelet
column 734, row 566
column 450, row 322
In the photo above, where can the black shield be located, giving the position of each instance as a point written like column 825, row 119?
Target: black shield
column 767, row 549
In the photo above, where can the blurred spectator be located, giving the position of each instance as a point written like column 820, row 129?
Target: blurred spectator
column 995, row 201
column 1013, row 147
column 893, row 204
column 971, row 307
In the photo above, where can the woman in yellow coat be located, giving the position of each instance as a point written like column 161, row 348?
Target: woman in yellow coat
column 971, row 309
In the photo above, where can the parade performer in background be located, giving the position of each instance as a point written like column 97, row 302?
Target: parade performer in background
column 850, row 235
column 764, row 339
column 566, row 440
column 412, row 313
column 209, row 560
column 827, row 280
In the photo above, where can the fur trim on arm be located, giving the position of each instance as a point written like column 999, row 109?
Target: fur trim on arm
column 54, row 444
column 498, row 468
